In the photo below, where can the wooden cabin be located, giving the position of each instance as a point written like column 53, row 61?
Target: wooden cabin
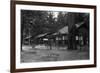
column 59, row 38
column 79, row 37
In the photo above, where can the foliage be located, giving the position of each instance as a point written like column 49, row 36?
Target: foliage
column 34, row 23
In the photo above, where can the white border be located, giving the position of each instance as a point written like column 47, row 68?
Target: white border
column 59, row 63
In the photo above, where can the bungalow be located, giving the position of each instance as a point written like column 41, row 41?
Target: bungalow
column 58, row 38
column 79, row 36
column 82, row 35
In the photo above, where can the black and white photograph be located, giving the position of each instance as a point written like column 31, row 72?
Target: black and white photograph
column 54, row 36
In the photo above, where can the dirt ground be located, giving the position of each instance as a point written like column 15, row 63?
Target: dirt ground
column 41, row 55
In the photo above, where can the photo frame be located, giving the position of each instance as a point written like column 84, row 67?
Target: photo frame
column 52, row 36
